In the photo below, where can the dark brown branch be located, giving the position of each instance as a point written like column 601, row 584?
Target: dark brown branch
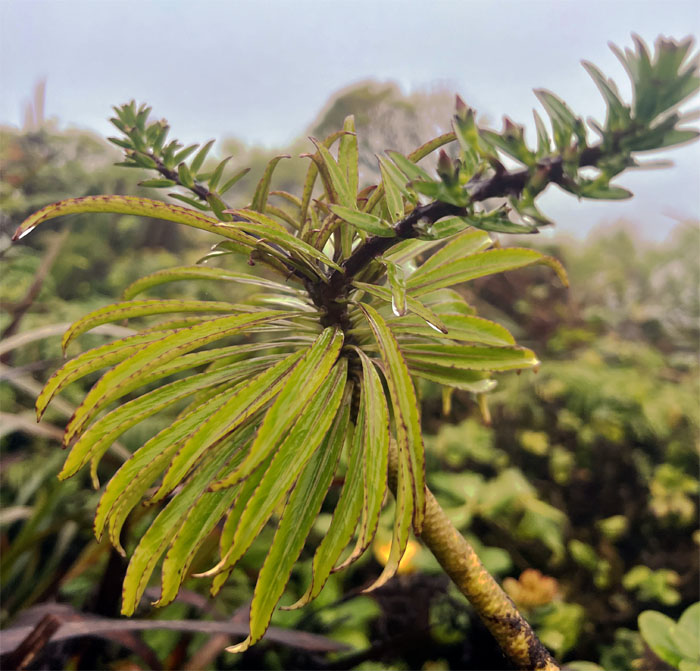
column 480, row 189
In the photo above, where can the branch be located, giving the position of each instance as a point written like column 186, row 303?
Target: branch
column 501, row 184
column 459, row 560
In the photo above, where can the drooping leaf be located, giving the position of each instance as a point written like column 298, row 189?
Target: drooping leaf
column 158, row 536
column 405, row 407
column 97, row 439
column 469, row 357
column 405, row 510
column 90, row 361
column 300, row 386
column 346, row 514
column 129, row 373
column 140, row 308
column 479, row 265
column 293, row 454
column 299, row 515
column 239, row 408
column 144, row 207
column 376, row 444
column 199, row 273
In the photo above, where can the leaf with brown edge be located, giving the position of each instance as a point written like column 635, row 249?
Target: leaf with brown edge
column 160, row 533
column 405, row 407
column 238, row 409
column 90, row 361
column 413, row 305
column 467, row 328
column 376, row 443
column 469, row 357
column 299, row 445
column 479, row 265
column 144, row 207
column 140, row 308
column 96, row 440
column 338, row 179
column 301, row 385
column 261, row 191
column 346, row 514
column 297, row 520
column 465, row 244
column 312, row 173
column 129, row 373
column 348, row 154
column 200, row 273
column 402, row 521
column 269, row 229
column 137, row 474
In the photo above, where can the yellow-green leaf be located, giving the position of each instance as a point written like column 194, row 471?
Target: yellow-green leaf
column 405, row 406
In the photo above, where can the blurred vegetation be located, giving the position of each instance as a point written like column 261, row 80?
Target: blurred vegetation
column 587, row 471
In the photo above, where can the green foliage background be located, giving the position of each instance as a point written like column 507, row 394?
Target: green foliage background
column 586, row 471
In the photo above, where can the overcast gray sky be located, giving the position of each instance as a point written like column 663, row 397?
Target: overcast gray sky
column 261, row 70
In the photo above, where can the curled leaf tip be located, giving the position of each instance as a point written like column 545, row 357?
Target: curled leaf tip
column 240, row 647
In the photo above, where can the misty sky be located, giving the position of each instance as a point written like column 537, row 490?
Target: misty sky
column 262, row 70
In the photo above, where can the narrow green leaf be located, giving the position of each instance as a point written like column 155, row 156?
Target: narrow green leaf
column 413, row 305
column 479, row 265
column 364, row 221
column 408, row 167
column 469, row 357
column 376, row 445
column 144, row 207
column 237, row 410
column 202, row 207
column 405, row 508
column 311, row 175
column 90, row 361
column 199, row 273
column 466, row 244
column 158, row 536
column 347, row 510
column 348, row 155
column 200, row 157
column 338, row 179
column 405, row 406
column 130, row 372
column 139, row 308
column 96, row 440
column 458, row 378
column 295, row 451
column 300, row 386
column 233, row 180
column 602, row 191
column 430, row 146
column 459, row 327
column 297, row 519
column 397, row 283
column 137, row 474
column 158, row 183
column 218, row 174
column 269, row 229
column 393, row 199
column 261, row 191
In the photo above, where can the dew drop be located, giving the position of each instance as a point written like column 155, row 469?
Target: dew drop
column 24, row 234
